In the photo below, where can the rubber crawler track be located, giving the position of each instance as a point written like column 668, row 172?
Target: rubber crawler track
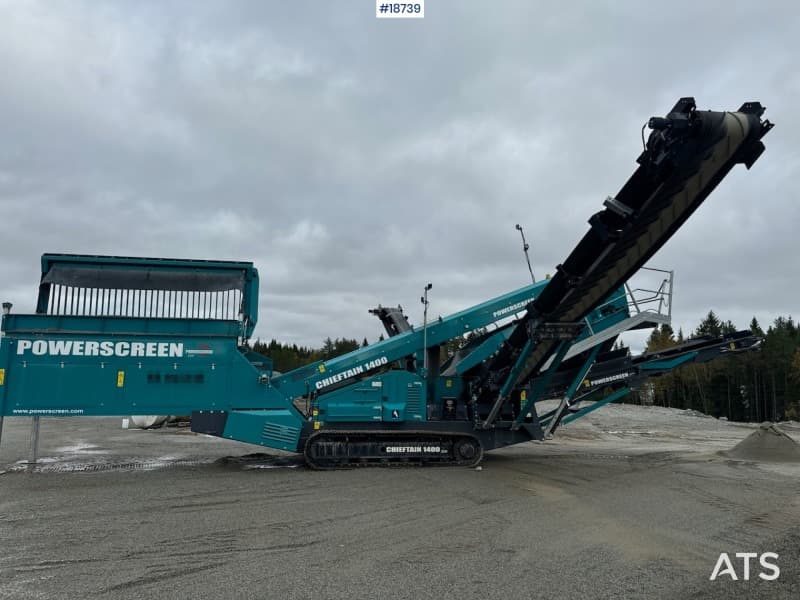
column 332, row 449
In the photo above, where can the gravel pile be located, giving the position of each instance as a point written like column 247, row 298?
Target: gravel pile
column 768, row 444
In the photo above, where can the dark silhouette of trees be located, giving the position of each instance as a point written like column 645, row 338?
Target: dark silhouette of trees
column 286, row 357
column 753, row 386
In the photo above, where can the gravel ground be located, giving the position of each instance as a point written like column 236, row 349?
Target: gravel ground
column 629, row 502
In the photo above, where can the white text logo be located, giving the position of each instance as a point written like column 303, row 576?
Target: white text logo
column 724, row 566
column 513, row 308
column 357, row 370
column 92, row 348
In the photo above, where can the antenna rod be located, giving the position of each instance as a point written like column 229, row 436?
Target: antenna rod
column 425, row 302
column 525, row 248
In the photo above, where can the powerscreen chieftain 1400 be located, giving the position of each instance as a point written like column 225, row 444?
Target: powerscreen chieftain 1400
column 120, row 336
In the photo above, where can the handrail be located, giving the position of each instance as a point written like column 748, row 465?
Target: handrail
column 662, row 295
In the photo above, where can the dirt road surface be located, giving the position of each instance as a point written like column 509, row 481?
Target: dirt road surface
column 630, row 502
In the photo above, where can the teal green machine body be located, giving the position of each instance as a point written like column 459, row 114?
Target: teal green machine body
column 122, row 336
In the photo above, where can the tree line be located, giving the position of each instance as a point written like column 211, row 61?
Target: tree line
column 751, row 386
column 286, row 357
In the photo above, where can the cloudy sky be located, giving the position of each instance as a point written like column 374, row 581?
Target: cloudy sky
column 354, row 159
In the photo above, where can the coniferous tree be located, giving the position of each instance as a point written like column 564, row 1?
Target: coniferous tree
column 709, row 326
column 328, row 348
column 661, row 338
column 755, row 328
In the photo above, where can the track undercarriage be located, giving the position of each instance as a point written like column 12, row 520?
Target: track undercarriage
column 335, row 449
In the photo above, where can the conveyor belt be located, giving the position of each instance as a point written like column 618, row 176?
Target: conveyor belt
column 687, row 154
column 618, row 367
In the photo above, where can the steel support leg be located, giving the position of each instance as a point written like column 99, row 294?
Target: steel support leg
column 555, row 421
column 600, row 403
column 542, row 382
column 545, row 418
column 34, row 444
column 505, row 391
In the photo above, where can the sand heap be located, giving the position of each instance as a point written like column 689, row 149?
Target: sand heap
column 767, row 444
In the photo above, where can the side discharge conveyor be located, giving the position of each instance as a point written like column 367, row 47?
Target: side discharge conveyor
column 122, row 336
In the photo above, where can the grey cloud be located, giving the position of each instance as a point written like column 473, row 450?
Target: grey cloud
column 354, row 159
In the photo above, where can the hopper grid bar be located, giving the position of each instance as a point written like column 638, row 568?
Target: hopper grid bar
column 154, row 304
